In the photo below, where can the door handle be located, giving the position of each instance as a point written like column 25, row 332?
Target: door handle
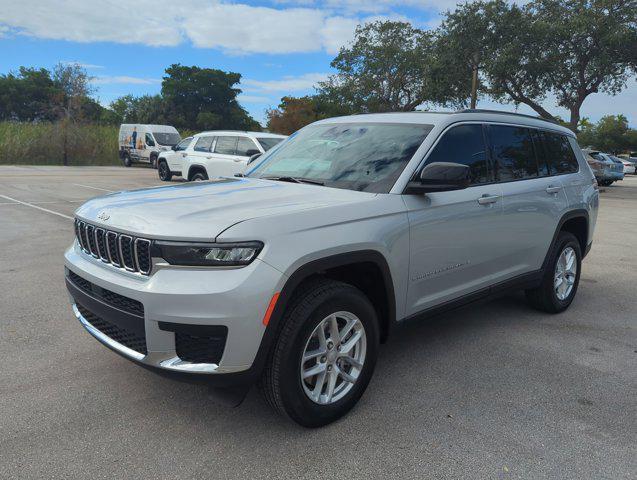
column 184, row 154
column 237, row 159
column 208, row 158
column 551, row 189
column 487, row 199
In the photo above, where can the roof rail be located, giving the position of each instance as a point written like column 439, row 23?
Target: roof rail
column 483, row 110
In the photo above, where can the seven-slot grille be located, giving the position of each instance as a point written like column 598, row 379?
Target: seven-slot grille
column 118, row 249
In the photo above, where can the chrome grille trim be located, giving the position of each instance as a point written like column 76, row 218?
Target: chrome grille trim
column 90, row 237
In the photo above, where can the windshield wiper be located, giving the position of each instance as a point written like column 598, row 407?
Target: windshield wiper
column 294, row 180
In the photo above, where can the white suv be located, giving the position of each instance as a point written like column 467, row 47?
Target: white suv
column 214, row 154
column 295, row 273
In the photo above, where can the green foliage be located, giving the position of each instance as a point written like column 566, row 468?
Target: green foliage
column 384, row 69
column 43, row 143
column 204, row 98
column 611, row 134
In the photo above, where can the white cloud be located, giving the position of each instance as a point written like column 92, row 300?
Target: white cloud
column 87, row 66
column 257, row 99
column 233, row 27
column 285, row 84
column 125, row 79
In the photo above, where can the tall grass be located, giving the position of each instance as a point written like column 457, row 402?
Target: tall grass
column 44, row 144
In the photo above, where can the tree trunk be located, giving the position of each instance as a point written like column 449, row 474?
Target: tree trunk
column 575, row 118
column 474, row 87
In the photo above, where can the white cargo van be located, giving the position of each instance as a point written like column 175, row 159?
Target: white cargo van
column 143, row 143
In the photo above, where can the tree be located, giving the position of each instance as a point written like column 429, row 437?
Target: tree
column 384, row 69
column 610, row 134
column 570, row 48
column 27, row 95
column 464, row 44
column 204, row 98
column 292, row 114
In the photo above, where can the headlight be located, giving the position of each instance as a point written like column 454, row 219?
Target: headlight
column 209, row 254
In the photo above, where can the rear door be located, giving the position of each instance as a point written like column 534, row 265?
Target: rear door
column 533, row 199
column 452, row 234
column 225, row 161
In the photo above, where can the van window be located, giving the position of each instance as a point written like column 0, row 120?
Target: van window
column 513, row 153
column 149, row 140
column 246, row 145
column 203, row 144
column 560, row 154
column 464, row 144
column 226, row 145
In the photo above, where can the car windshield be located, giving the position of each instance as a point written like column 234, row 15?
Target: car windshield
column 169, row 139
column 368, row 157
column 268, row 142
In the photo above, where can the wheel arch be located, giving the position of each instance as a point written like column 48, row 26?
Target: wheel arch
column 195, row 168
column 575, row 222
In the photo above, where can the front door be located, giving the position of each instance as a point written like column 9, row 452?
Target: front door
column 452, row 233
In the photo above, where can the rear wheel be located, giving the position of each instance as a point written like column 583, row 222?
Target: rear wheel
column 153, row 160
column 126, row 159
column 325, row 355
column 164, row 171
column 561, row 278
column 199, row 177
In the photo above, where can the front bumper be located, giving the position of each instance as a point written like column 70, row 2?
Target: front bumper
column 235, row 299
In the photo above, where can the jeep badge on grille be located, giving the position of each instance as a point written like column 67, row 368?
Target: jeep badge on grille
column 103, row 215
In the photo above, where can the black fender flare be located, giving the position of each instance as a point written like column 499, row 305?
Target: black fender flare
column 578, row 213
column 307, row 270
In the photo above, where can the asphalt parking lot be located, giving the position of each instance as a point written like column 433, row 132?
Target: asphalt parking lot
column 496, row 390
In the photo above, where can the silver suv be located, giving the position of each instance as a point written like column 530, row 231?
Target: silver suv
column 292, row 275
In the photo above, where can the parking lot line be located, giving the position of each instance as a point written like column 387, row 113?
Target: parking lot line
column 36, row 207
column 94, row 188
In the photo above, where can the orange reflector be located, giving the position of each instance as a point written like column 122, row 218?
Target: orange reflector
column 268, row 312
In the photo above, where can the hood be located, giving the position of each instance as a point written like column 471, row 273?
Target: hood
column 202, row 210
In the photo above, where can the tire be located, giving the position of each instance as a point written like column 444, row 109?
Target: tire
column 199, row 177
column 126, row 159
column 281, row 382
column 153, row 161
column 165, row 175
column 545, row 297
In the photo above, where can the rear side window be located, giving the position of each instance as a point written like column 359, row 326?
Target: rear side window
column 513, row 153
column 464, row 144
column 246, row 147
column 560, row 154
column 203, row 144
column 226, row 145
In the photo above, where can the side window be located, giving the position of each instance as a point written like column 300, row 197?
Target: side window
column 246, row 147
column 183, row 145
column 560, row 154
column 464, row 144
column 226, row 145
column 543, row 164
column 149, row 140
column 203, row 144
column 513, row 153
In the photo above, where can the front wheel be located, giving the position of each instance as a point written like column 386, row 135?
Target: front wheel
column 561, row 278
column 199, row 177
column 164, row 171
column 325, row 355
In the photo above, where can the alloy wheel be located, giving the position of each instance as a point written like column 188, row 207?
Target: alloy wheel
column 565, row 273
column 333, row 357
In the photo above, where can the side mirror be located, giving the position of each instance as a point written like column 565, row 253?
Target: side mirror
column 441, row 177
column 253, row 157
column 252, row 152
column 174, row 148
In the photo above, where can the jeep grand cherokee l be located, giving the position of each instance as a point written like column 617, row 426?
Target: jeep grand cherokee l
column 292, row 275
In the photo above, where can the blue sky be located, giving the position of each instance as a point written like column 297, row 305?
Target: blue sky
column 281, row 47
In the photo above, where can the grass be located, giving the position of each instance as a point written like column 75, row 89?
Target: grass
column 44, row 144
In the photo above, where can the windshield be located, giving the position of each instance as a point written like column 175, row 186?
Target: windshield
column 268, row 142
column 368, row 157
column 169, row 139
